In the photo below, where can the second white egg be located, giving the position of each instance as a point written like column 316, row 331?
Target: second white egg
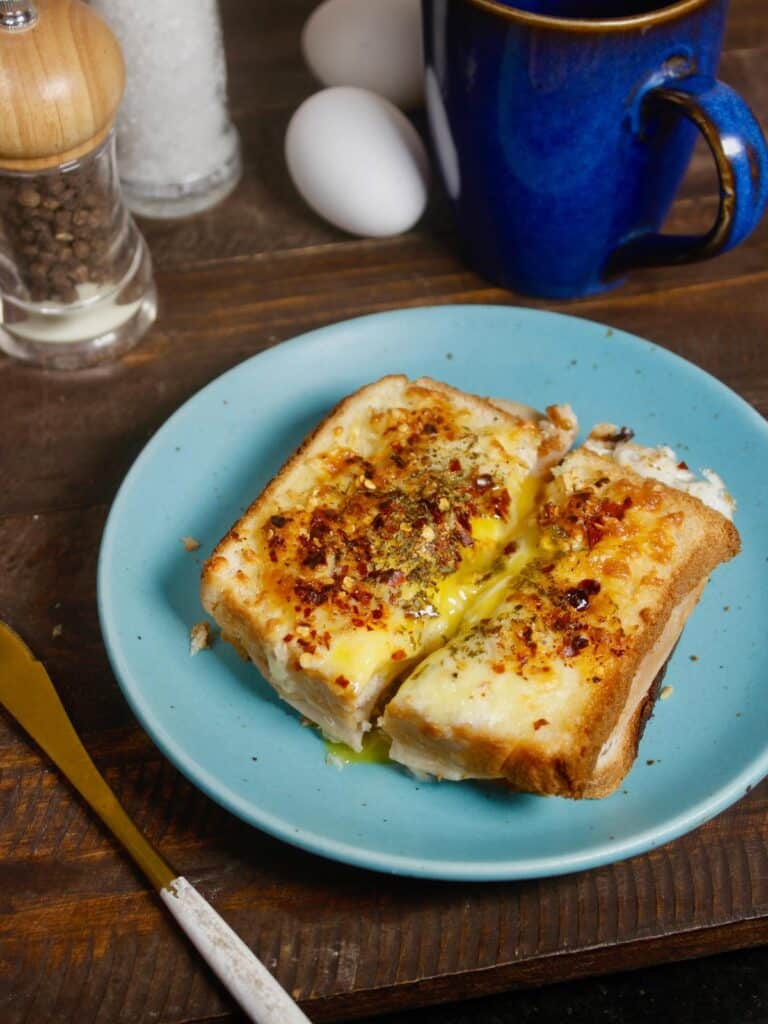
column 373, row 44
column 358, row 162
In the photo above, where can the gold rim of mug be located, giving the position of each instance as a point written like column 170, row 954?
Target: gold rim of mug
column 657, row 17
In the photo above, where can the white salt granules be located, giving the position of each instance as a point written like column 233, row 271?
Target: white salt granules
column 176, row 147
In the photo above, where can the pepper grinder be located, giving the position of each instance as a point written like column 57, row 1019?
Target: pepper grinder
column 75, row 273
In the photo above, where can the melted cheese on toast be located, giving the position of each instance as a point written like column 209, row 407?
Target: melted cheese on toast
column 364, row 553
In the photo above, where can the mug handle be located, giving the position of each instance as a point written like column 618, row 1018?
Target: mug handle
column 741, row 155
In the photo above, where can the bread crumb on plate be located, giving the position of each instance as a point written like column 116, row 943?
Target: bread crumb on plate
column 199, row 638
column 190, row 543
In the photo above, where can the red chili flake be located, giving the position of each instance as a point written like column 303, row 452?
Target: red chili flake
column 548, row 568
column 500, row 503
column 435, row 512
column 594, row 534
column 547, row 514
column 342, row 681
column 462, row 518
column 613, row 509
column 278, row 521
column 498, row 667
column 574, row 646
column 429, row 428
column 359, row 623
column 454, row 465
column 314, row 559
column 577, row 598
column 539, row 723
column 465, row 529
column 376, row 613
column 465, row 538
column 398, row 655
column 313, row 595
column 511, row 548
column 591, row 586
column 623, row 434
column 682, row 465
column 391, row 577
column 287, row 638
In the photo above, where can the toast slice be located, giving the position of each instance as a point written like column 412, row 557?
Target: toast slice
column 359, row 558
column 551, row 691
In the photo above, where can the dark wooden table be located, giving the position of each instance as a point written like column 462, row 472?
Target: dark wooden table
column 82, row 939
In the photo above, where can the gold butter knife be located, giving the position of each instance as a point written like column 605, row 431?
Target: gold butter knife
column 28, row 694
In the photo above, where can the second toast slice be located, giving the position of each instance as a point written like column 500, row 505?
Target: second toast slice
column 552, row 689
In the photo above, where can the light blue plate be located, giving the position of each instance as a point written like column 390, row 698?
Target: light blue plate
column 221, row 725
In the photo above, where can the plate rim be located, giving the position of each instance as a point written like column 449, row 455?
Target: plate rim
column 508, row 869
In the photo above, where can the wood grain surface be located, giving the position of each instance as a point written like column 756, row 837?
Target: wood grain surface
column 81, row 939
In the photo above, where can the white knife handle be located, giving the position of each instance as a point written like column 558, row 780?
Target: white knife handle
column 244, row 974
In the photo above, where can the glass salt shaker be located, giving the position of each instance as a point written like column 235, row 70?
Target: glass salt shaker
column 75, row 273
column 177, row 149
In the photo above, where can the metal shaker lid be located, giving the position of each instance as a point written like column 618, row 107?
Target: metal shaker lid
column 16, row 15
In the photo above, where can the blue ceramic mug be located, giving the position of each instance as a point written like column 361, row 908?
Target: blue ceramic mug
column 563, row 129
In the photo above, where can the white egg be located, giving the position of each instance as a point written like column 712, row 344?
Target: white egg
column 358, row 162
column 373, row 44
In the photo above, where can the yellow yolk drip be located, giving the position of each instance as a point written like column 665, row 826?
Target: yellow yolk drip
column 470, row 594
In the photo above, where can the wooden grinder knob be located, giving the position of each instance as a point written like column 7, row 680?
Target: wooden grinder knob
column 61, row 81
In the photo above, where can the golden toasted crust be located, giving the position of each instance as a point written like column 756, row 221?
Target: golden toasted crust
column 341, row 560
column 618, row 754
column 606, row 780
column 620, row 554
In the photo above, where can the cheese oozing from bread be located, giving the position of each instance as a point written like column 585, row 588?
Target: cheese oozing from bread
column 362, row 555
column 551, row 690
